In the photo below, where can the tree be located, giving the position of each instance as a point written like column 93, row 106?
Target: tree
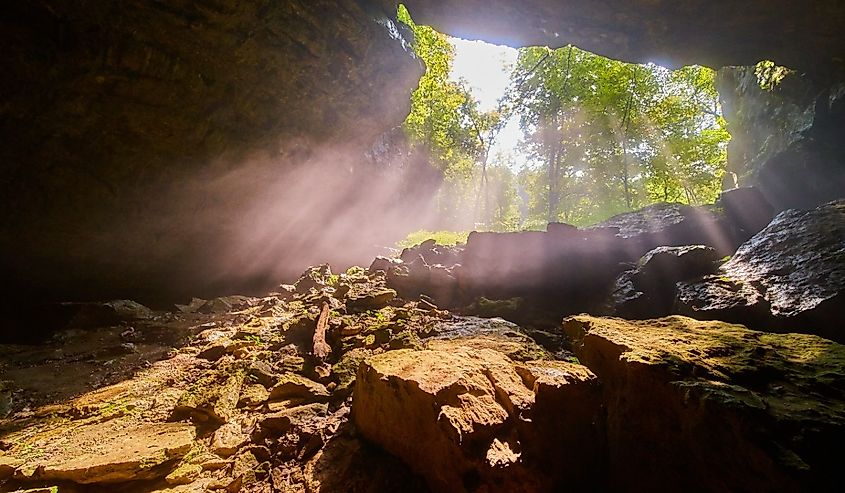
column 612, row 136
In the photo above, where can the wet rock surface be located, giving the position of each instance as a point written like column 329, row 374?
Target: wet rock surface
column 788, row 277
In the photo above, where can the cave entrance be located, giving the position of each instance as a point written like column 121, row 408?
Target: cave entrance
column 524, row 137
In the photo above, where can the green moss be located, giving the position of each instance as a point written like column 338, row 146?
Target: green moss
column 448, row 238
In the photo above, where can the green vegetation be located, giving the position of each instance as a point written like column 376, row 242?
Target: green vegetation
column 769, row 75
column 601, row 136
column 440, row 237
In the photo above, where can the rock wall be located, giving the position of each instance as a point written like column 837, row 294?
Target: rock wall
column 673, row 33
column 138, row 137
column 786, row 141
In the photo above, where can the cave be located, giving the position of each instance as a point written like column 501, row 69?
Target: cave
column 170, row 170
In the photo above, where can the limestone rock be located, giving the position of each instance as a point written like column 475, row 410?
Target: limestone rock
column 228, row 439
column 177, row 95
column 372, row 300
column 184, row 474
column 463, row 417
column 223, row 304
column 648, row 291
column 712, row 406
column 211, row 400
column 263, row 373
column 666, row 224
column 293, row 386
column 788, row 277
column 253, row 395
column 192, row 307
column 281, row 421
column 8, row 466
column 748, row 210
column 316, row 277
column 486, row 333
column 137, row 453
column 675, row 33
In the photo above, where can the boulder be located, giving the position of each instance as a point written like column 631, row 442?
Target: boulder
column 567, row 266
column 667, row 224
column 711, row 406
column 313, row 278
column 210, row 401
column 292, row 386
column 416, row 277
column 648, row 290
column 748, row 210
column 372, row 300
column 228, row 439
column 432, row 254
column 184, row 474
column 8, row 466
column 224, row 304
column 298, row 416
column 495, row 334
column 788, row 277
column 465, row 418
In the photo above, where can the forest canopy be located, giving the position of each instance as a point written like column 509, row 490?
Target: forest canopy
column 600, row 137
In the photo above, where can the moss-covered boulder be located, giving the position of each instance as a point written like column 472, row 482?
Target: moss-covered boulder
column 712, row 406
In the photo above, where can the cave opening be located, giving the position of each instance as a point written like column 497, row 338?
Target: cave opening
column 528, row 136
column 630, row 273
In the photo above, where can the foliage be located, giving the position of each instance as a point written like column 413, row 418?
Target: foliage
column 769, row 75
column 610, row 136
column 442, row 111
column 445, row 121
column 602, row 137
column 448, row 238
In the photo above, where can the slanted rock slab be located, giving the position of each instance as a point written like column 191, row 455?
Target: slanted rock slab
column 99, row 455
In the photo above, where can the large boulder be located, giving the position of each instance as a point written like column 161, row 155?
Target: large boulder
column 470, row 417
column 573, row 268
column 788, row 277
column 711, row 406
column 669, row 224
column 648, row 290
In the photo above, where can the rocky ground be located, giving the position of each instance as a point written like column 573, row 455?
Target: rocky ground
column 359, row 382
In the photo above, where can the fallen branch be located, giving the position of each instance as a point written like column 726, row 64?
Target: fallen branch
column 321, row 348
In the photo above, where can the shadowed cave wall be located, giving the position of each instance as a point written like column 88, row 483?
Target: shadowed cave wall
column 157, row 150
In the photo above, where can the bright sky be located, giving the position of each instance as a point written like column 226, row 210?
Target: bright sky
column 487, row 69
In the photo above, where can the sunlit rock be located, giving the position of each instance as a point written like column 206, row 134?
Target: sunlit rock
column 648, row 290
column 712, row 406
column 788, row 277
column 463, row 416
column 99, row 454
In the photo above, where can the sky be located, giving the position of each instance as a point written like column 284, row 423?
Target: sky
column 487, row 69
